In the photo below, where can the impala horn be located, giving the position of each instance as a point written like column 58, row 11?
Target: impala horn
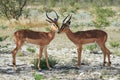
column 55, row 20
column 69, row 18
column 65, row 18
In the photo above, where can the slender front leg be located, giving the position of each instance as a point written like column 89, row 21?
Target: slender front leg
column 104, row 60
column 46, row 57
column 40, row 55
column 14, row 57
column 18, row 46
column 79, row 55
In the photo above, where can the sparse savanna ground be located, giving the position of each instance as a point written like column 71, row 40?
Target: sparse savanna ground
column 62, row 50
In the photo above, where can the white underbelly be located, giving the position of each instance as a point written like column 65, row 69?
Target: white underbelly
column 34, row 41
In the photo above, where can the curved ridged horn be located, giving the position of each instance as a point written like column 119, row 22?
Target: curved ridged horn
column 70, row 18
column 49, row 18
column 65, row 18
column 56, row 15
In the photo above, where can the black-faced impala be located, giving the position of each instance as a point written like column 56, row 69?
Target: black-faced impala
column 84, row 37
column 39, row 38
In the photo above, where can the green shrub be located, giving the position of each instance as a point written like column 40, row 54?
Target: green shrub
column 38, row 76
column 76, row 6
column 114, row 44
column 20, row 53
column 47, row 29
column 62, row 10
column 3, row 27
column 30, row 49
column 47, row 9
column 117, row 52
column 91, row 47
column 102, row 16
column 43, row 65
column 2, row 38
column 52, row 3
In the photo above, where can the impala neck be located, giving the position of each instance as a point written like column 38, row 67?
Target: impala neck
column 51, row 34
column 70, row 34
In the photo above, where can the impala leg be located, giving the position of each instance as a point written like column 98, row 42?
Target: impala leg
column 14, row 57
column 108, row 55
column 18, row 46
column 103, row 48
column 46, row 57
column 104, row 53
column 40, row 55
column 79, row 56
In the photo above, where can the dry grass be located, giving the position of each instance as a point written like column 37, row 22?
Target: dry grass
column 26, row 22
column 22, row 23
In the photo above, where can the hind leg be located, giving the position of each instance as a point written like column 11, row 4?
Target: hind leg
column 103, row 48
column 108, row 55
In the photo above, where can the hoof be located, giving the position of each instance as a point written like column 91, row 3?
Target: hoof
column 39, row 70
column 15, row 68
column 109, row 64
column 77, row 66
column 104, row 63
column 50, row 68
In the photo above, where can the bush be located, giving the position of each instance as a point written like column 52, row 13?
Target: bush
column 114, row 44
column 38, row 76
column 101, row 16
column 91, row 47
column 3, row 38
column 30, row 49
column 117, row 52
column 62, row 10
column 20, row 53
column 3, row 27
column 47, row 29
column 43, row 65
column 12, row 8
column 47, row 9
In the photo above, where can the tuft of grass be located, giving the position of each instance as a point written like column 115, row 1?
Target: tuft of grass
column 62, row 10
column 20, row 53
column 101, row 17
column 2, row 38
column 114, row 44
column 30, row 49
column 3, row 27
column 38, row 76
column 47, row 29
column 91, row 47
column 116, row 51
column 43, row 65
column 47, row 9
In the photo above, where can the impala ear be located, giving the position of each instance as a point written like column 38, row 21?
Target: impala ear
column 68, row 23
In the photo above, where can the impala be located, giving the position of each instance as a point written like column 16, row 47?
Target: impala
column 39, row 38
column 84, row 37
